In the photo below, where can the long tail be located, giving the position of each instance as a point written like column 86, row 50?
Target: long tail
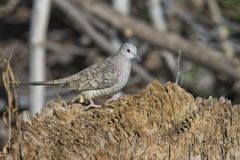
column 57, row 82
column 40, row 83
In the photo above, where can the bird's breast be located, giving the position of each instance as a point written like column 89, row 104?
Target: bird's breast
column 123, row 68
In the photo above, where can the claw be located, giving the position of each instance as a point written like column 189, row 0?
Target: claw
column 79, row 99
column 92, row 105
column 115, row 97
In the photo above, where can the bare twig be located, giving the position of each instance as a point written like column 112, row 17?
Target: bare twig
column 82, row 24
column 197, row 28
column 178, row 66
column 8, row 81
column 99, row 24
column 68, row 49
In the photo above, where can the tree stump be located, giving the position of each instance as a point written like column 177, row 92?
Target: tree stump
column 162, row 122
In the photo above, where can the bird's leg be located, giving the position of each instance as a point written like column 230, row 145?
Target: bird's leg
column 115, row 97
column 78, row 99
column 93, row 105
column 61, row 101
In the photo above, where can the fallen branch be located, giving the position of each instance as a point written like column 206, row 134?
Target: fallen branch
column 197, row 52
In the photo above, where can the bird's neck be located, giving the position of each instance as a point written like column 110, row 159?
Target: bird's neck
column 120, row 60
column 122, row 64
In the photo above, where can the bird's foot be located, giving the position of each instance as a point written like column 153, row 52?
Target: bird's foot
column 92, row 105
column 115, row 97
column 79, row 99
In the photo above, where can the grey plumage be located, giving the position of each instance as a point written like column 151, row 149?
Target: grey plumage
column 105, row 78
column 96, row 76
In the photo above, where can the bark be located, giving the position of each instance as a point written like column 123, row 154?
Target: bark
column 162, row 122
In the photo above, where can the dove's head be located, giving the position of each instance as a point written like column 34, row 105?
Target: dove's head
column 129, row 50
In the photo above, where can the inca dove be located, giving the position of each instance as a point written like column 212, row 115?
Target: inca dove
column 102, row 79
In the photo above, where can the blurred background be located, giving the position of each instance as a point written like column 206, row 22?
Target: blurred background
column 191, row 42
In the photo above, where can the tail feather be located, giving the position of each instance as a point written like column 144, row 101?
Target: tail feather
column 57, row 82
column 39, row 83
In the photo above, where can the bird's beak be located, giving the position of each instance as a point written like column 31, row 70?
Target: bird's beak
column 137, row 56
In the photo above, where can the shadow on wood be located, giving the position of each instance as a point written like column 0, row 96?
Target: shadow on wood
column 162, row 122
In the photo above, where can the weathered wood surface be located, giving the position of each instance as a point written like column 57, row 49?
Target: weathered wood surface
column 162, row 122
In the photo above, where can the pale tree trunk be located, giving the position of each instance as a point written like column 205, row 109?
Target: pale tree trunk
column 39, row 23
column 157, row 16
column 123, row 7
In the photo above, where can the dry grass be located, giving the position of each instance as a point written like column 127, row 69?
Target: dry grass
column 9, row 82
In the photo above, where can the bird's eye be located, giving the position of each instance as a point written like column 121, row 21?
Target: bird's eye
column 128, row 50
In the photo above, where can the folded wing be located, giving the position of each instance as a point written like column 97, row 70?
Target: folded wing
column 97, row 76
